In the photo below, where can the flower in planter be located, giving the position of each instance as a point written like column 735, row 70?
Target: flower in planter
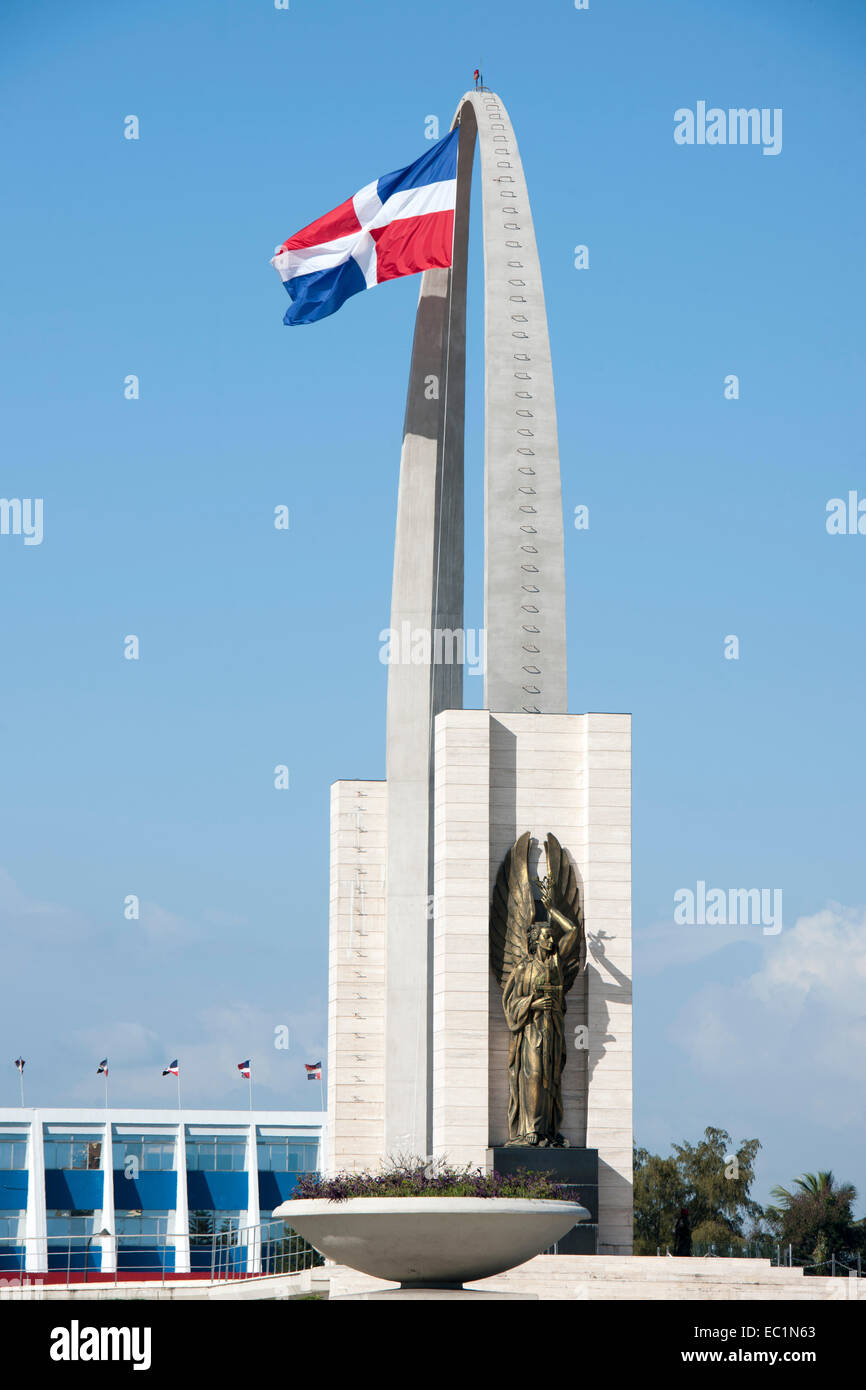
column 419, row 1177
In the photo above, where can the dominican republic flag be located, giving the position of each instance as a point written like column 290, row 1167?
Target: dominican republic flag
column 102, row 1069
column 172, row 1069
column 313, row 1070
column 401, row 223
column 244, row 1069
column 19, row 1062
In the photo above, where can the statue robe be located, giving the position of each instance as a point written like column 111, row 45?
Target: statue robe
column 536, row 1056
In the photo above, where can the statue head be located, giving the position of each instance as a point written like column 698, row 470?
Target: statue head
column 541, row 940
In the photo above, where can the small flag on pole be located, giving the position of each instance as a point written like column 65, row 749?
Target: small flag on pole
column 246, row 1073
column 102, row 1070
column 173, row 1070
column 19, row 1063
column 313, row 1070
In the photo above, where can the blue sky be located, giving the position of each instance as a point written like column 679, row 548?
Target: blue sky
column 259, row 647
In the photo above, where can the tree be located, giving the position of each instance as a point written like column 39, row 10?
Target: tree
column 816, row 1219
column 658, row 1196
column 718, row 1179
column 201, row 1227
column 710, row 1178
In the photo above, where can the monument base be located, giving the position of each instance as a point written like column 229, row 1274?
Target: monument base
column 575, row 1169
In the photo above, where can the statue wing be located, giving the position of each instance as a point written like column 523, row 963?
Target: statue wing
column 566, row 898
column 512, row 910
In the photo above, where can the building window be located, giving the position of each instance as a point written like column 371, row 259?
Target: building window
column 71, row 1225
column 13, row 1152
column 205, row 1225
column 292, row 1155
column 11, row 1223
column 141, row 1223
column 220, row 1154
column 72, row 1151
column 151, row 1154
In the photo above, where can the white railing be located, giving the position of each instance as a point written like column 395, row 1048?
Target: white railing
column 269, row 1248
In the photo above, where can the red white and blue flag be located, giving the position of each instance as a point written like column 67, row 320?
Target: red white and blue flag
column 397, row 225
column 314, row 1071
column 172, row 1069
column 244, row 1069
column 19, row 1062
column 102, row 1069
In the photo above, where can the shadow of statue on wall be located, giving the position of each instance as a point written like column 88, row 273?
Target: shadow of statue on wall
column 608, row 985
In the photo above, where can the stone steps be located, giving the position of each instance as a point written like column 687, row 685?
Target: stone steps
column 622, row 1277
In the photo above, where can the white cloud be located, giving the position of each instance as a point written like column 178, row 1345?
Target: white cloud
column 795, row 1029
column 665, row 944
column 824, row 957
column 33, row 919
column 30, row 919
column 166, row 928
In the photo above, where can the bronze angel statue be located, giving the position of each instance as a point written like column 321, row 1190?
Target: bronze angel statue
column 536, row 958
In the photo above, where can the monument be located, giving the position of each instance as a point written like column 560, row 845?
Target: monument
column 480, row 1009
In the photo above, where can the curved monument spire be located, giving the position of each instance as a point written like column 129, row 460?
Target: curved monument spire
column 524, row 588
column 524, row 570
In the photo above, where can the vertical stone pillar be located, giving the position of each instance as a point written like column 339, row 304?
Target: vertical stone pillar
column 427, row 598
column 35, row 1219
column 253, row 1213
column 460, row 936
column 180, row 1233
column 356, row 977
column 108, row 1243
column 607, row 879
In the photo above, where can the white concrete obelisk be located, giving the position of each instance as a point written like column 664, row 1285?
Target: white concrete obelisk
column 417, row 1039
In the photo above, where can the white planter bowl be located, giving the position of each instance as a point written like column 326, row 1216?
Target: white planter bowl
column 430, row 1242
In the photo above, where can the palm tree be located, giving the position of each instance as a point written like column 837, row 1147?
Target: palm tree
column 815, row 1218
column 822, row 1184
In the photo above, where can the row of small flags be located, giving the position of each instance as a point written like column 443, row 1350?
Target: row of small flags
column 313, row 1069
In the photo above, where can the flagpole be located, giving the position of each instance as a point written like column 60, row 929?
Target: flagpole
column 106, row 1088
column 178, row 1089
column 21, row 1079
column 321, row 1088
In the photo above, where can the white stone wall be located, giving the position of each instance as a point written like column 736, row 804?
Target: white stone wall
column 460, row 935
column 606, row 871
column 356, row 976
column 496, row 776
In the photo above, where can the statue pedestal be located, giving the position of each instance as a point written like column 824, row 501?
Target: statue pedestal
column 576, row 1169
